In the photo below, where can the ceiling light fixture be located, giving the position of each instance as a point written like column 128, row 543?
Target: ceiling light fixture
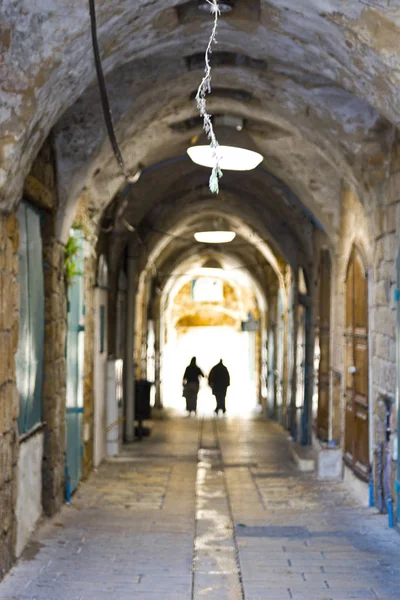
column 224, row 6
column 214, row 237
column 236, row 150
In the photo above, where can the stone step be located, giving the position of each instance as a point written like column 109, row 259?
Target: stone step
column 303, row 456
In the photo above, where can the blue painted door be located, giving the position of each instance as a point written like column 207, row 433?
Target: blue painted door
column 75, row 358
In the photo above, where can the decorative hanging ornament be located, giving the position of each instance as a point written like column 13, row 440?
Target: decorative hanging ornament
column 203, row 90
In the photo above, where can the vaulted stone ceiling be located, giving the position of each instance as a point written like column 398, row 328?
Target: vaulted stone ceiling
column 316, row 82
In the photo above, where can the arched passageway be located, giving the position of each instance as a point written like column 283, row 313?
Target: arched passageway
column 205, row 313
column 104, row 285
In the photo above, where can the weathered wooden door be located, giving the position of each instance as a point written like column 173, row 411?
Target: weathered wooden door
column 356, row 391
column 324, row 345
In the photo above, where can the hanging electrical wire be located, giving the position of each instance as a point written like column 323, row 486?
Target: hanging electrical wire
column 203, row 90
column 130, row 177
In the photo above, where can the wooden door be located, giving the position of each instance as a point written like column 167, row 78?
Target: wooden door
column 324, row 345
column 356, row 389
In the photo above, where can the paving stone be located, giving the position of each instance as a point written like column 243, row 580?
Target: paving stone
column 169, row 521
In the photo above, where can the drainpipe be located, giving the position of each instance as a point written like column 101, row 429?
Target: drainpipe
column 388, row 462
column 129, row 365
column 385, row 498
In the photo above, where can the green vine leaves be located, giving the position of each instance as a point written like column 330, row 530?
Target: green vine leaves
column 203, row 90
column 71, row 252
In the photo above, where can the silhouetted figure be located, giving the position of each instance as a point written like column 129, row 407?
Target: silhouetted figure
column 219, row 382
column 191, row 385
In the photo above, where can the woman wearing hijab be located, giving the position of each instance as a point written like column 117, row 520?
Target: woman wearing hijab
column 191, row 385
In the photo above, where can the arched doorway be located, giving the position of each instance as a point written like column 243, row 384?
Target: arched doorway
column 356, row 365
column 206, row 315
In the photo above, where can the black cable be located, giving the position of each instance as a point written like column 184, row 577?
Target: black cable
column 104, row 96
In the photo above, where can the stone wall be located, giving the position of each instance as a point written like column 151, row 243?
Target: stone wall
column 92, row 245
column 88, row 388
column 375, row 227
column 354, row 228
column 40, row 189
column 386, row 226
column 54, row 381
column 9, row 404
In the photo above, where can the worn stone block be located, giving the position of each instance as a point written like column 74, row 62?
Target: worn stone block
column 6, row 357
column 390, row 219
column 12, row 230
column 391, row 246
column 6, row 462
column 8, row 397
column 385, row 320
column 381, row 293
column 6, row 513
column 386, row 270
column 7, row 304
column 6, row 256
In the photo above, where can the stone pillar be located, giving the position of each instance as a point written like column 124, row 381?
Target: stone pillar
column 88, row 369
column 129, row 366
column 54, row 381
column 9, row 404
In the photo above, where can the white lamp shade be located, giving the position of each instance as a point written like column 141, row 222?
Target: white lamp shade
column 236, row 152
column 214, row 237
column 229, row 157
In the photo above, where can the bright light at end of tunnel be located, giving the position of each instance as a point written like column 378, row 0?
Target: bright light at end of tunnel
column 214, row 237
column 230, row 158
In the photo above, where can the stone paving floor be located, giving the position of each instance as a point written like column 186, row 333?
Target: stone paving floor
column 209, row 509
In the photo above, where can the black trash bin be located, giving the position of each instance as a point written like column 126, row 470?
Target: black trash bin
column 142, row 405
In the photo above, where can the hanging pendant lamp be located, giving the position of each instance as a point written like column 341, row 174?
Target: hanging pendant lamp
column 236, row 151
column 214, row 237
column 218, row 232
